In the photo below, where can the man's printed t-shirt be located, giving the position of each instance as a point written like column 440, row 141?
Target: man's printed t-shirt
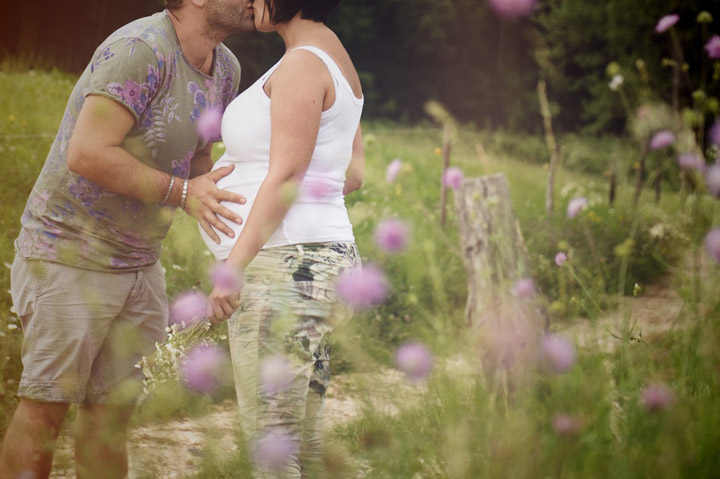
column 71, row 220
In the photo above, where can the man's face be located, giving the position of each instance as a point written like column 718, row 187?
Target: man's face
column 230, row 16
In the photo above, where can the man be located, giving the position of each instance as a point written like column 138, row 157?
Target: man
column 86, row 281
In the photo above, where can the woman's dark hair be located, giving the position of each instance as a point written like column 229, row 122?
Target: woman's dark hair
column 282, row 11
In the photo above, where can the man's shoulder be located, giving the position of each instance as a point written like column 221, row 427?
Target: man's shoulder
column 155, row 31
column 227, row 60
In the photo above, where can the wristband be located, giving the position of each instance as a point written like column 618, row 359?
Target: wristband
column 183, row 199
column 170, row 188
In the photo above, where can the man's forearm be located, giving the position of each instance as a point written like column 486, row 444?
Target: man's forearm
column 201, row 163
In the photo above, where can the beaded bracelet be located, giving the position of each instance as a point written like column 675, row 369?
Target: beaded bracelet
column 183, row 199
column 169, row 191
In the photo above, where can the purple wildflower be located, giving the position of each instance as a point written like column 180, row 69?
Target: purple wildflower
column 565, row 425
column 188, row 308
column 657, row 397
column 712, row 178
column 666, row 22
column 453, row 178
column 226, row 276
column 363, row 290
column 414, row 360
column 209, row 124
column 712, row 244
column 575, row 206
column 662, row 139
column 392, row 235
column 275, row 374
column 714, row 133
column 692, row 160
column 558, row 353
column 393, row 170
column 713, row 47
column 513, row 8
column 524, row 289
column 560, row 258
column 203, row 368
column 275, row 450
column 318, row 188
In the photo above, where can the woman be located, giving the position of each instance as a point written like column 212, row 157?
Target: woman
column 297, row 237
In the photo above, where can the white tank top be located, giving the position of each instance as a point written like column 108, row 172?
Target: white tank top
column 318, row 214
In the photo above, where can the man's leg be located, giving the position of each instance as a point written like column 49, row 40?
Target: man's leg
column 100, row 441
column 29, row 443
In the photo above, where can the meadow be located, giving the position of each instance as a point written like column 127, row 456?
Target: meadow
column 645, row 407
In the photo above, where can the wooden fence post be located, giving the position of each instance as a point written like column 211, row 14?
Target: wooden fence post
column 493, row 248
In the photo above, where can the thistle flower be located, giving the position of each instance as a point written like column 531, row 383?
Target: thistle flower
column 662, row 139
column 392, row 235
column 712, row 178
column 657, row 397
column 616, row 82
column 275, row 374
column 188, row 308
column 558, row 354
column 203, row 367
column 560, row 258
column 393, row 170
column 575, row 206
column 713, row 47
column 666, row 22
column 209, row 124
column 274, row 450
column 513, row 8
column 565, row 425
column 524, row 289
column 363, row 289
column 712, row 244
column 414, row 360
column 692, row 161
column 226, row 276
column 453, row 178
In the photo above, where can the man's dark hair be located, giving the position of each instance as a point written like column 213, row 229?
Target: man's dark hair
column 173, row 4
column 282, row 11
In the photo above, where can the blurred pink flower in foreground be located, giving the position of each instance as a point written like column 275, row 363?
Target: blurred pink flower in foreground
column 524, row 289
column 364, row 289
column 657, row 397
column 225, row 276
column 203, row 367
column 209, row 124
column 575, row 206
column 188, row 308
column 453, row 178
column 392, row 235
column 713, row 47
column 714, row 132
column 560, row 258
column 666, row 22
column 275, row 374
column 565, row 425
column 692, row 160
column 662, row 139
column 513, row 8
column 712, row 177
column 393, row 169
column 557, row 353
column 274, row 450
column 414, row 360
column 318, row 188
column 712, row 244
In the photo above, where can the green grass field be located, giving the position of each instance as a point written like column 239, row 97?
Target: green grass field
column 467, row 422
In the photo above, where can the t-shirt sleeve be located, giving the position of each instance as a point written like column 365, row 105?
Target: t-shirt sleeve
column 229, row 77
column 127, row 72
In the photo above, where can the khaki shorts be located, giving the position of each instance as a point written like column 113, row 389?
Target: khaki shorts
column 85, row 330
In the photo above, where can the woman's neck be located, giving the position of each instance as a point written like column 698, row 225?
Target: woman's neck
column 298, row 32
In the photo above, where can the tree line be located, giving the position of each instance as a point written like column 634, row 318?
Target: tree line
column 484, row 69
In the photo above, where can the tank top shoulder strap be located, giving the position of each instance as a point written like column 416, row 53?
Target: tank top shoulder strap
column 332, row 67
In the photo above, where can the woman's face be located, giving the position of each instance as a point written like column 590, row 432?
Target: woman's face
column 262, row 16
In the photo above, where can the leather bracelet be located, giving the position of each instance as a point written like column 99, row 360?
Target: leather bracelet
column 169, row 191
column 183, row 199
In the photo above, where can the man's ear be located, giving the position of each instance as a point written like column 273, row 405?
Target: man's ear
column 198, row 3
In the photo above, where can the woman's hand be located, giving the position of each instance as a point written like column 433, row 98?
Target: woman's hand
column 223, row 301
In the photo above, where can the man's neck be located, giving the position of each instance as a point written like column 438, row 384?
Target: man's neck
column 196, row 44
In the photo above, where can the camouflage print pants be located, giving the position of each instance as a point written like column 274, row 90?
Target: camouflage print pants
column 289, row 308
